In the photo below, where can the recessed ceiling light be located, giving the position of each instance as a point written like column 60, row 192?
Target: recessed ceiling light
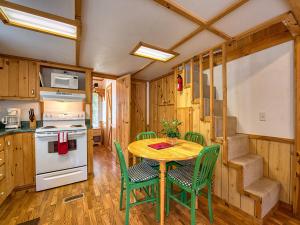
column 16, row 16
column 152, row 52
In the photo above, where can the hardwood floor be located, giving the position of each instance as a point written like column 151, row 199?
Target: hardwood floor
column 100, row 204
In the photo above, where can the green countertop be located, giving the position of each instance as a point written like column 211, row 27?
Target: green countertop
column 14, row 131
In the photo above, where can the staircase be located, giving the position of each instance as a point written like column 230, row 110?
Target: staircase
column 250, row 181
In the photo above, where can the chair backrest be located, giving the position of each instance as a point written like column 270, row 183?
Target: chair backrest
column 194, row 137
column 146, row 135
column 122, row 161
column 205, row 164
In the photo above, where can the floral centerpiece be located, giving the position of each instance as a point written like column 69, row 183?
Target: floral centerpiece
column 170, row 129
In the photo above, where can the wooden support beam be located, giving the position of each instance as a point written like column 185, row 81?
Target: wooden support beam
column 189, row 15
column 224, row 85
column 296, row 196
column 295, row 5
column 192, row 78
column 201, row 96
column 79, row 29
column 212, row 95
column 292, row 25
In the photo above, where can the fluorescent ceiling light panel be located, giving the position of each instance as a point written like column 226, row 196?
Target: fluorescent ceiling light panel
column 43, row 24
column 151, row 52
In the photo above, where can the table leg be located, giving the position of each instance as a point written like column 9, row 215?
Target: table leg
column 162, row 191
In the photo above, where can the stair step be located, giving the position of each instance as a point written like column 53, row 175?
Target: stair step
column 267, row 190
column 238, row 145
column 252, row 168
column 231, row 126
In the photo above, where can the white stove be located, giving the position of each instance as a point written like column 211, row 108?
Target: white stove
column 53, row 169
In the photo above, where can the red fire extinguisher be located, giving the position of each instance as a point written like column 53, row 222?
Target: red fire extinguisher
column 179, row 83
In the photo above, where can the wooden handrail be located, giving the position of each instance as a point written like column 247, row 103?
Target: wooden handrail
column 212, row 96
column 224, row 85
column 201, row 87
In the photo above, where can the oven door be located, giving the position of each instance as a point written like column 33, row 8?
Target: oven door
column 47, row 158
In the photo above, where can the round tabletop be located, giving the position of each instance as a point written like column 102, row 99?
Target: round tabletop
column 182, row 150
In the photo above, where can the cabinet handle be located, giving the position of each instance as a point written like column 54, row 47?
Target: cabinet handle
column 8, row 143
column 2, row 193
column 32, row 91
column 1, row 175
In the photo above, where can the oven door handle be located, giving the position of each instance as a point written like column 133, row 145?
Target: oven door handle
column 46, row 135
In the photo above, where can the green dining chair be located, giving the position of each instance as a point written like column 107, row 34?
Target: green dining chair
column 148, row 135
column 193, row 137
column 194, row 179
column 139, row 176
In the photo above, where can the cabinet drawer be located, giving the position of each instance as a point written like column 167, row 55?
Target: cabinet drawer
column 2, row 157
column 2, row 172
column 1, row 143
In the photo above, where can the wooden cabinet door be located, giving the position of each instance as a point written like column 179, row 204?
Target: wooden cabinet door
column 33, row 79
column 28, row 159
column 18, row 160
column 10, row 166
column 90, row 142
column 13, row 78
column 23, row 79
column 4, row 77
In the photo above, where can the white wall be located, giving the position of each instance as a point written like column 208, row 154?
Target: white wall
column 23, row 105
column 261, row 82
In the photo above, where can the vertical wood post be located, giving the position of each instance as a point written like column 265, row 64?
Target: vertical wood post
column 201, row 87
column 192, row 79
column 296, row 197
column 224, row 84
column 212, row 95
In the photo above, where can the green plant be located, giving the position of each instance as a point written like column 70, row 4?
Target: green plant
column 170, row 128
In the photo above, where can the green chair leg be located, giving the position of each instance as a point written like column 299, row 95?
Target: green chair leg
column 210, row 209
column 193, row 209
column 127, row 207
column 157, row 203
column 121, row 193
column 168, row 198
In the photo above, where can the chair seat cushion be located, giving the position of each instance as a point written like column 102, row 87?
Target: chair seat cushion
column 182, row 175
column 151, row 162
column 141, row 172
column 186, row 162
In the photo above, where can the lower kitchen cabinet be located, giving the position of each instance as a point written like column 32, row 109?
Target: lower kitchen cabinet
column 90, row 152
column 16, row 163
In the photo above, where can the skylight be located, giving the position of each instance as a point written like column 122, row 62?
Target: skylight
column 38, row 23
column 151, row 52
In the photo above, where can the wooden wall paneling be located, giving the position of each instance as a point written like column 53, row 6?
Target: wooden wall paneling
column 280, row 167
column 4, row 77
column 263, row 150
column 212, row 95
column 108, row 128
column 225, row 182
column 170, row 89
column 192, row 79
column 296, row 175
column 201, row 85
column 28, row 158
column 196, row 118
column 13, row 78
column 90, row 151
column 153, row 107
column 138, row 108
column 185, row 116
column 218, row 176
column 33, row 79
column 23, row 79
column 161, row 91
column 252, row 146
column 234, row 196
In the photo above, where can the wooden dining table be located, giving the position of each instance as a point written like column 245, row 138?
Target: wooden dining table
column 182, row 150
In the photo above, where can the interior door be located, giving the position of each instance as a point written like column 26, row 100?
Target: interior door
column 108, row 98
column 123, row 113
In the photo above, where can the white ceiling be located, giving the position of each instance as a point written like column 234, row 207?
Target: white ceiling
column 112, row 28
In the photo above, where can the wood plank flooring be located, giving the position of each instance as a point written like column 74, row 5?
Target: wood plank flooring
column 100, row 204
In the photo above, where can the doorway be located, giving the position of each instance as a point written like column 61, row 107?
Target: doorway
column 103, row 112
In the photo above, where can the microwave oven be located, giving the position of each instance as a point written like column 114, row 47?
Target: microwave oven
column 64, row 81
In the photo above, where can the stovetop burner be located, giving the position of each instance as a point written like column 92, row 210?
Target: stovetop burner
column 48, row 127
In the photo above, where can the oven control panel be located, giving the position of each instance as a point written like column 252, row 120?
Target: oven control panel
column 64, row 116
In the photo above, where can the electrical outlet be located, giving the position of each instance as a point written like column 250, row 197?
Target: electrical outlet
column 262, row 116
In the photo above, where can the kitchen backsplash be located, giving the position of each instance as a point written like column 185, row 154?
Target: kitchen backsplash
column 23, row 105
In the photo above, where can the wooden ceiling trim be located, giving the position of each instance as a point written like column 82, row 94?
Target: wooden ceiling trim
column 215, row 19
column 295, row 5
column 188, row 15
column 79, row 30
column 104, row 75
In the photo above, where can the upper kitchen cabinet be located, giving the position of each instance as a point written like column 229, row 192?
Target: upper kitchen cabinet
column 18, row 79
column 166, row 87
